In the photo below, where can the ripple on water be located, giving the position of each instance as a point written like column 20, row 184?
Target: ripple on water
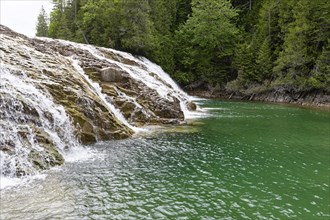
column 228, row 168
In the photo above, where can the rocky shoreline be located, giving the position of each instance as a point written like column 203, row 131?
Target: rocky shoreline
column 56, row 94
column 313, row 98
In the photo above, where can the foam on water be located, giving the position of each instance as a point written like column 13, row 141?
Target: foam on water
column 80, row 154
column 26, row 105
column 19, row 95
column 199, row 113
column 196, row 98
column 10, row 182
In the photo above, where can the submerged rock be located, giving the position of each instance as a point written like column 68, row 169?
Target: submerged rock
column 55, row 94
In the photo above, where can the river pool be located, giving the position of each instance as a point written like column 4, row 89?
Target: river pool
column 242, row 160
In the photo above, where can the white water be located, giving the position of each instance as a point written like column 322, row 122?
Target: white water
column 162, row 82
column 18, row 93
column 148, row 73
column 133, row 100
column 98, row 91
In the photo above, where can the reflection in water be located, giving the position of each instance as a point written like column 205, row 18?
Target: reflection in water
column 267, row 162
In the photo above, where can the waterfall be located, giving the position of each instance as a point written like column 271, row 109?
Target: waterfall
column 55, row 93
column 148, row 73
column 30, row 121
column 98, row 91
column 156, row 78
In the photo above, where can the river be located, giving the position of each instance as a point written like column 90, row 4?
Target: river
column 243, row 160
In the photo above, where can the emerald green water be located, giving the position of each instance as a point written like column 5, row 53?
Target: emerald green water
column 243, row 161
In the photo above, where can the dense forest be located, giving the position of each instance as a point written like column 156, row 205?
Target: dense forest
column 234, row 45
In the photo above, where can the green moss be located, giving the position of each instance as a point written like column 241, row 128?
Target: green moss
column 93, row 73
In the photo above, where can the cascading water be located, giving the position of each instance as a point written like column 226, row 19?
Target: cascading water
column 30, row 122
column 148, row 73
column 178, row 92
column 156, row 78
column 54, row 92
column 98, row 91
column 153, row 76
column 133, row 100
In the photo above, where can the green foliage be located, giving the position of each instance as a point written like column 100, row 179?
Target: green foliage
column 320, row 74
column 183, row 12
column 207, row 39
column 135, row 33
column 294, row 59
column 244, row 63
column 264, row 61
column 216, row 41
column 302, row 51
column 42, row 24
column 289, row 43
column 60, row 22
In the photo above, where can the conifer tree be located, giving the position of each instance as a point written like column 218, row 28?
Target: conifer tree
column 215, row 41
column 42, row 24
column 264, row 62
column 207, row 39
column 135, row 26
column 321, row 71
column 60, row 21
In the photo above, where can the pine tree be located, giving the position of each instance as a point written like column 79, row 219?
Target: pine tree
column 135, row 26
column 294, row 59
column 42, row 24
column 205, row 43
column 264, row 62
column 320, row 73
column 61, row 20
column 163, row 16
column 183, row 11
column 244, row 63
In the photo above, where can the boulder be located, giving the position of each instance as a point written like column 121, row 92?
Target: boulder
column 113, row 74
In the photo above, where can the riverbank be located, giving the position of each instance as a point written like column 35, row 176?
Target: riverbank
column 56, row 95
column 313, row 98
column 245, row 160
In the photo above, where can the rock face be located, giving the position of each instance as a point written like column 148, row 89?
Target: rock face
column 56, row 94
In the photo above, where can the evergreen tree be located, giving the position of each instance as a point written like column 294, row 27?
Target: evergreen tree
column 321, row 71
column 62, row 21
column 42, row 24
column 207, row 39
column 215, row 41
column 121, row 24
column 184, row 10
column 305, row 43
column 98, row 23
column 264, row 62
column 163, row 16
column 135, row 27
column 244, row 63
column 294, row 59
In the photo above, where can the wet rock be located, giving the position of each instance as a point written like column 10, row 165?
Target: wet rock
column 113, row 74
column 49, row 66
column 191, row 106
column 7, row 147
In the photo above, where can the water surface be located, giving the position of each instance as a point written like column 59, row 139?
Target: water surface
column 243, row 161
